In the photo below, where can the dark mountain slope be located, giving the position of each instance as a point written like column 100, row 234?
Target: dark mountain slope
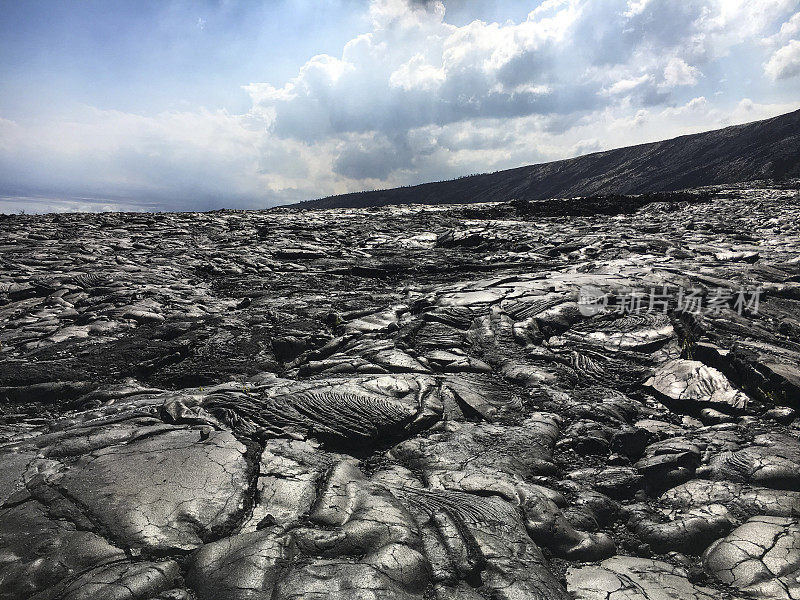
column 768, row 149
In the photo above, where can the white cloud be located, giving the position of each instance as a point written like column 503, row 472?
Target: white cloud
column 625, row 86
column 178, row 158
column 791, row 27
column 678, row 72
column 405, row 14
column 416, row 74
column 587, row 147
column 635, row 7
column 729, row 22
column 785, row 62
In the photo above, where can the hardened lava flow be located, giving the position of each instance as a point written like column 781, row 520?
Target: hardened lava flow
column 499, row 401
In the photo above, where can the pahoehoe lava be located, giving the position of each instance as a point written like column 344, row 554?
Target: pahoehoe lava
column 517, row 401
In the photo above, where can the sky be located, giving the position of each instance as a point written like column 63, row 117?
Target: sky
column 197, row 105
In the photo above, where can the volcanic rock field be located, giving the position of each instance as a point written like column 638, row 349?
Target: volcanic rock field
column 496, row 401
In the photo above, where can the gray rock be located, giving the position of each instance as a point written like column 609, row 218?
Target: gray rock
column 627, row 578
column 760, row 558
column 169, row 491
column 742, row 499
column 774, row 462
column 690, row 383
column 689, row 532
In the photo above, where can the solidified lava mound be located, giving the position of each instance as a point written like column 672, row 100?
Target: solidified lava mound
column 536, row 400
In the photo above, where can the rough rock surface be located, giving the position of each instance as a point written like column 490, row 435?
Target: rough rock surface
column 761, row 557
column 628, row 578
column 403, row 403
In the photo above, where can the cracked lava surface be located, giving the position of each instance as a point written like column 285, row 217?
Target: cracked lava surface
column 401, row 403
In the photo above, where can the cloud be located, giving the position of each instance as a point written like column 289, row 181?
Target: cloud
column 626, row 86
column 416, row 98
column 791, row 27
column 697, row 105
column 416, row 74
column 415, row 69
column 677, row 72
column 566, row 57
column 174, row 159
column 785, row 62
column 372, row 157
column 587, row 147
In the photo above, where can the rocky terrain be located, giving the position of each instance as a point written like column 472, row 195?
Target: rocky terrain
column 507, row 401
column 754, row 151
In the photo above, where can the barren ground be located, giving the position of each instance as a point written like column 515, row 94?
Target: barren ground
column 404, row 402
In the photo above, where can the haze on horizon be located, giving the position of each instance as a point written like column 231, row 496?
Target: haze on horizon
column 179, row 105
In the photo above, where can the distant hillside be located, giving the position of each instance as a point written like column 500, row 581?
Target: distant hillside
column 768, row 149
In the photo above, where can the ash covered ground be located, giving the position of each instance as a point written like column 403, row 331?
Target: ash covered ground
column 505, row 401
